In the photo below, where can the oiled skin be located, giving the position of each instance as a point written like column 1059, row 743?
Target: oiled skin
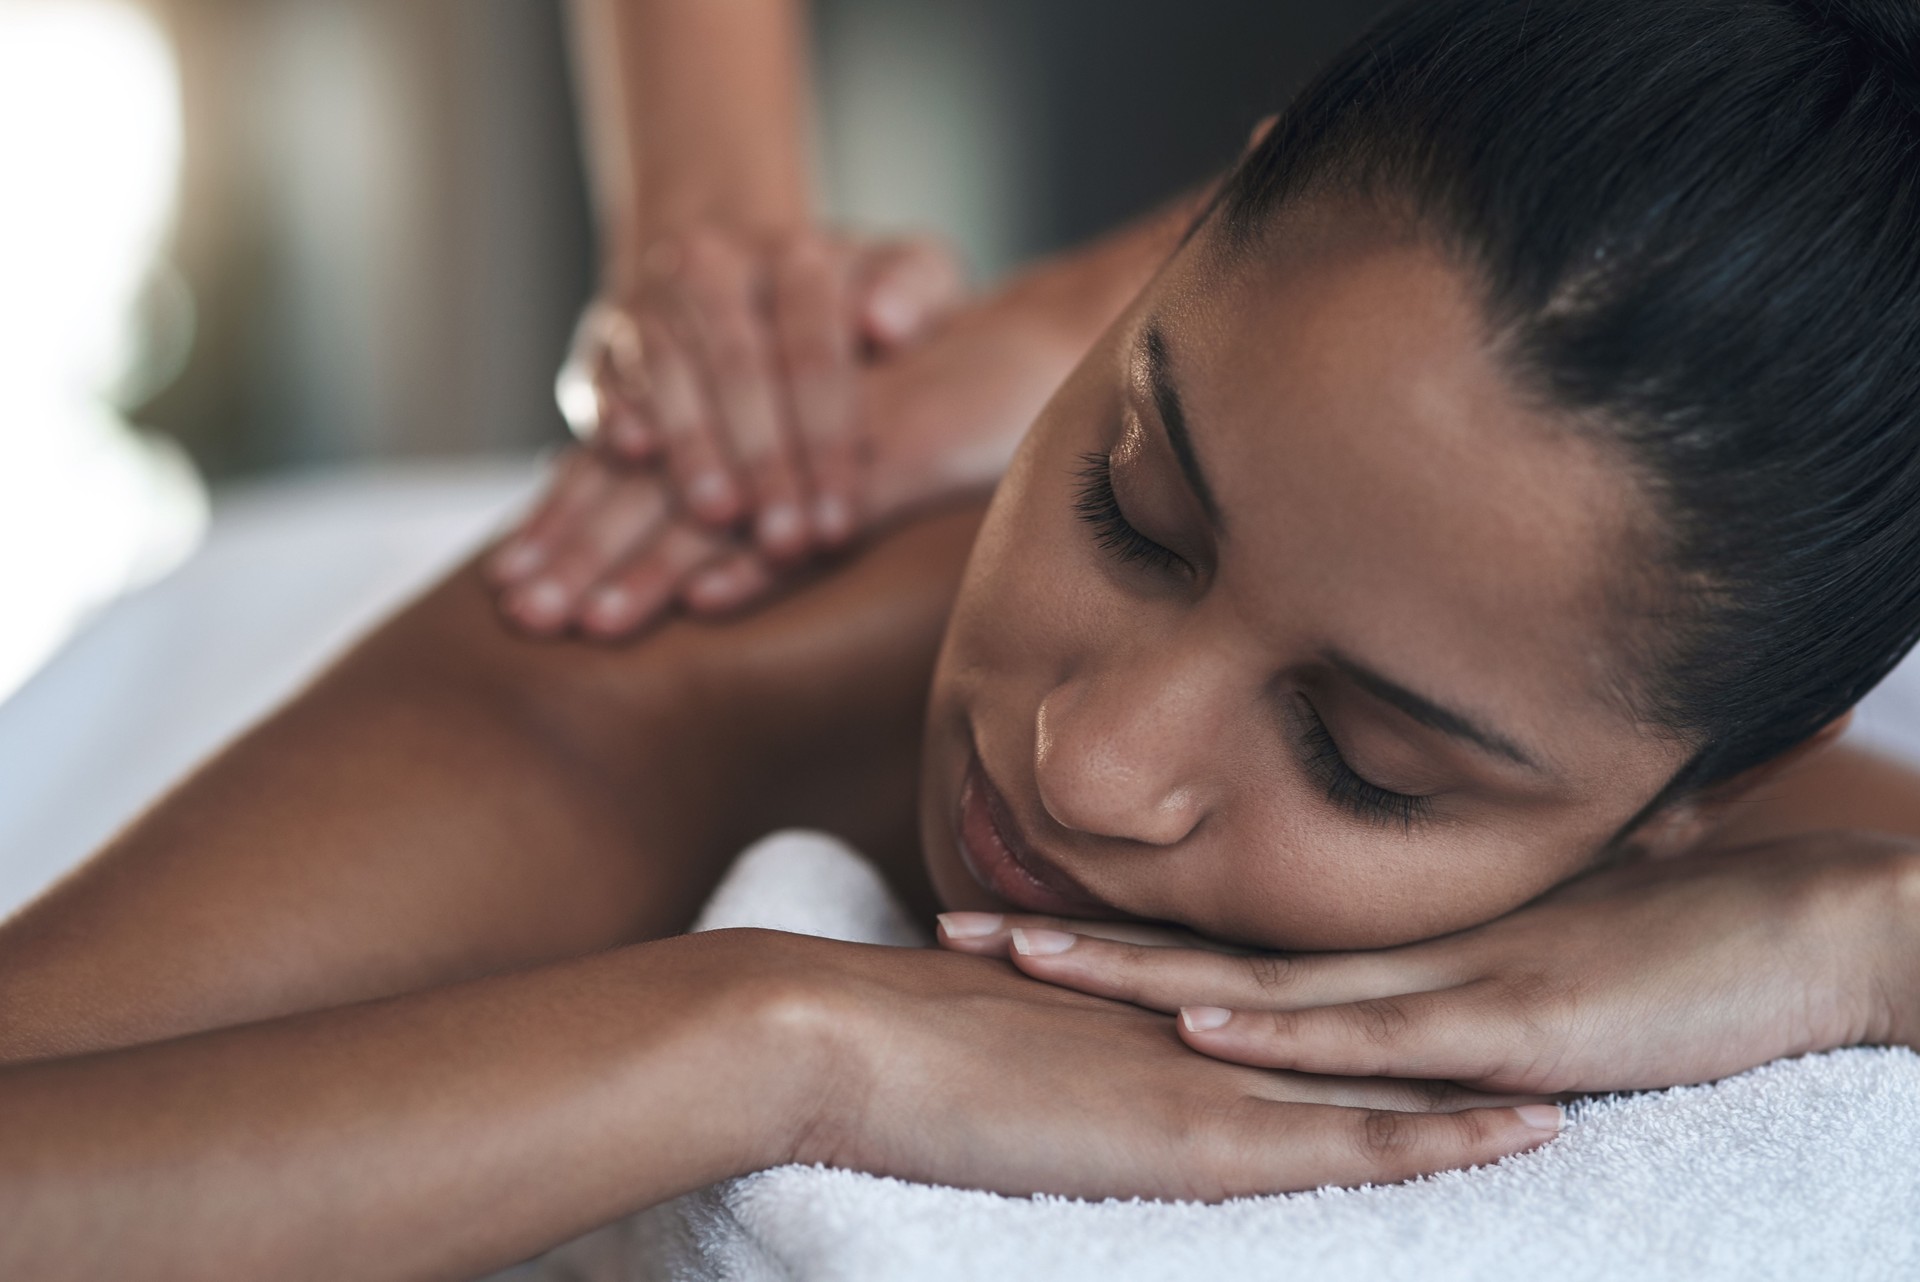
column 450, row 800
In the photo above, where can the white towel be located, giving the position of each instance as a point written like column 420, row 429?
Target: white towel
column 1802, row 1169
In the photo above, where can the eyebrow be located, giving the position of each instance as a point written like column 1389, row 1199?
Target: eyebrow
column 1429, row 713
column 1173, row 417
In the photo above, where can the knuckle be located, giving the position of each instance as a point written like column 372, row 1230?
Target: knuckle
column 1385, row 1137
column 1431, row 1096
column 1379, row 1022
column 1270, row 973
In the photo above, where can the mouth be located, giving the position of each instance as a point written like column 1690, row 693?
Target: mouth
column 999, row 858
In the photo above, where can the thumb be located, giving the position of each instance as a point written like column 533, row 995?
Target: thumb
column 904, row 288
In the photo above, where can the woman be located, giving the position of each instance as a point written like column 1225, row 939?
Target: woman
column 1437, row 547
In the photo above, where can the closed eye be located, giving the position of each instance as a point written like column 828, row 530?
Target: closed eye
column 1099, row 507
column 1345, row 786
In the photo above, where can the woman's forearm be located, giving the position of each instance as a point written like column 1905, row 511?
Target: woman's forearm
column 439, row 1134
column 694, row 111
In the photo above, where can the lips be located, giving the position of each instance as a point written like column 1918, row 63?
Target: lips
column 1000, row 859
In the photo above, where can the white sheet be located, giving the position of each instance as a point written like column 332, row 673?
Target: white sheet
column 288, row 574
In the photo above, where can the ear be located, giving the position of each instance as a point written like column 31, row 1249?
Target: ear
column 1261, row 129
column 1689, row 821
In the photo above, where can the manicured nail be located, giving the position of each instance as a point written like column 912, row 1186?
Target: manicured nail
column 780, row 525
column 970, row 925
column 544, row 601
column 709, row 490
column 611, row 605
column 893, row 314
column 1042, row 943
column 833, row 517
column 518, row 559
column 715, row 588
column 1200, row 1019
column 1542, row 1117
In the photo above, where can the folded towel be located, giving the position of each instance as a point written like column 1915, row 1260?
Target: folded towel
column 1802, row 1169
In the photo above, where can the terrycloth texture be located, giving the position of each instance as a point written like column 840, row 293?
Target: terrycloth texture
column 1802, row 1169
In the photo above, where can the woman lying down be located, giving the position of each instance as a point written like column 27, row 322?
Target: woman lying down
column 1421, row 589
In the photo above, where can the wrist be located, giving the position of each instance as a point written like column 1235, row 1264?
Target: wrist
column 1898, row 985
column 775, row 1017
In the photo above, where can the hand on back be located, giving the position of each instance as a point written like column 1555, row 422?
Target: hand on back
column 721, row 399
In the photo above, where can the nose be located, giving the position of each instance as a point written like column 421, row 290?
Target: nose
column 1125, row 753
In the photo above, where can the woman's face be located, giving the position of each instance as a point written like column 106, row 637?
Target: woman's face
column 1293, row 621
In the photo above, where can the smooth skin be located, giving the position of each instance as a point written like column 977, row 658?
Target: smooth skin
column 447, row 852
column 389, row 989
column 451, row 803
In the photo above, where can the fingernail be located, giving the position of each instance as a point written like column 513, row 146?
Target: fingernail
column 715, row 587
column 517, row 559
column 780, row 525
column 1041, row 943
column 1200, row 1019
column 833, row 517
column 544, row 601
column 891, row 313
column 1542, row 1117
column 970, row 925
column 708, row 490
column 611, row 605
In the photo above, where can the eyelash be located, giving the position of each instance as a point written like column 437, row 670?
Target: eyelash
column 1098, row 506
column 1347, row 789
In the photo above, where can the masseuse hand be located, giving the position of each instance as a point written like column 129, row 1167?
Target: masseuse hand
column 733, row 365
column 1648, row 975
column 958, row 1070
column 943, row 416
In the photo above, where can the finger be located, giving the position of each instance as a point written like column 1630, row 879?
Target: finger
column 732, row 582
column 905, row 287
column 1403, row 1095
column 1282, row 1146
column 991, row 934
column 624, row 518
column 621, row 390
column 718, row 298
column 1451, row 1033
column 578, row 480
column 636, row 593
column 1167, row 979
column 688, row 431
column 817, row 357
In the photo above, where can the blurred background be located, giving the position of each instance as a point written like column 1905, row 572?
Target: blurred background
column 286, row 234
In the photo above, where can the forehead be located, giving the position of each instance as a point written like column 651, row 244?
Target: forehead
column 1383, row 484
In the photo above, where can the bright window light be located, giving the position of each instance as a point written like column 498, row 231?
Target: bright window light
column 89, row 162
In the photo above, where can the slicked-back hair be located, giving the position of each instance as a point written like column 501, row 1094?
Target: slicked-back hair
column 1695, row 223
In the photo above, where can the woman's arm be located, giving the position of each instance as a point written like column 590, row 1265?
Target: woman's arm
column 695, row 114
column 450, row 801
column 438, row 1135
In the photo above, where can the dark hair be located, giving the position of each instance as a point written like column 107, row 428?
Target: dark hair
column 1697, row 223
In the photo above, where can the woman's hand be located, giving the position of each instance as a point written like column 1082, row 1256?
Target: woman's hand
column 958, row 1070
column 1649, row 975
column 734, row 362
column 944, row 417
